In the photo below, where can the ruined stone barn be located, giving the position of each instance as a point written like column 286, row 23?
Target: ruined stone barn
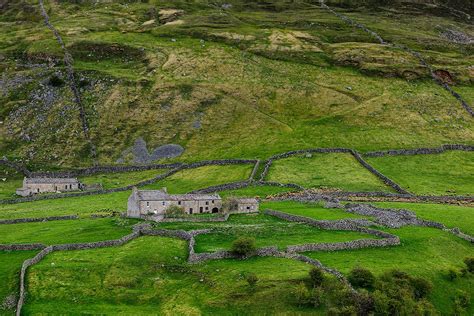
column 33, row 186
column 155, row 202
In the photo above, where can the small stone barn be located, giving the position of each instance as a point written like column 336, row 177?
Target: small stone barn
column 249, row 205
column 41, row 185
column 155, row 203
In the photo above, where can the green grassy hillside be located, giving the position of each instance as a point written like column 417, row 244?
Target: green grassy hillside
column 242, row 80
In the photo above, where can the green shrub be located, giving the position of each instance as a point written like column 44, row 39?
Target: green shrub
column 361, row 277
column 469, row 261
column 342, row 311
column 364, row 302
column 174, row 211
column 230, row 204
column 316, row 277
column 243, row 246
column 252, row 279
column 421, row 287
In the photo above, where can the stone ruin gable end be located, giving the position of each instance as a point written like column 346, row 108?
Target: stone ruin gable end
column 42, row 185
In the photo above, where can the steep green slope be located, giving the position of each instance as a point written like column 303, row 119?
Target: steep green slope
column 239, row 80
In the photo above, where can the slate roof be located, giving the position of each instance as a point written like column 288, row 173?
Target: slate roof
column 51, row 180
column 247, row 201
column 158, row 195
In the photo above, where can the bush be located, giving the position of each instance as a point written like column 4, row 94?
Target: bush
column 469, row 261
column 421, row 287
column 230, row 204
column 316, row 277
column 252, row 279
column 365, row 303
column 362, row 278
column 243, row 246
column 174, row 211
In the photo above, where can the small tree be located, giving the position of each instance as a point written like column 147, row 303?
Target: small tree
column 230, row 204
column 316, row 277
column 243, row 246
column 469, row 261
column 361, row 277
column 252, row 279
column 174, row 211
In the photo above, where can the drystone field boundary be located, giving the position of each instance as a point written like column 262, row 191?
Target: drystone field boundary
column 416, row 54
column 68, row 62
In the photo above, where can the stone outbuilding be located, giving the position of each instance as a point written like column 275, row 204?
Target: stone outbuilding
column 33, row 186
column 155, row 202
column 247, row 205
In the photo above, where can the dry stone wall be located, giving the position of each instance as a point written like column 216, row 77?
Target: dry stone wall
column 38, row 219
column 419, row 151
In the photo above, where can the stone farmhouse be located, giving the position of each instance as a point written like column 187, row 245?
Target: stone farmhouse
column 33, row 186
column 155, row 203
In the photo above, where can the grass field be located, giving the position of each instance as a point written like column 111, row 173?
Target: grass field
column 82, row 205
column 121, row 179
column 69, row 231
column 311, row 210
column 192, row 179
column 340, row 171
column 450, row 173
column 149, row 275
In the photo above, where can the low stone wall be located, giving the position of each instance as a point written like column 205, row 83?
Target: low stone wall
column 38, row 219
column 457, row 232
column 254, row 170
column 389, row 182
column 398, row 196
column 13, row 165
column 26, row 264
column 419, row 151
column 192, row 219
column 347, row 245
column 18, row 247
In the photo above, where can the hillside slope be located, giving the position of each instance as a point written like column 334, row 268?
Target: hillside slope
column 229, row 79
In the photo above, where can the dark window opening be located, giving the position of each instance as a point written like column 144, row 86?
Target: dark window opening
column 215, row 210
column 191, row 210
column 200, row 209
